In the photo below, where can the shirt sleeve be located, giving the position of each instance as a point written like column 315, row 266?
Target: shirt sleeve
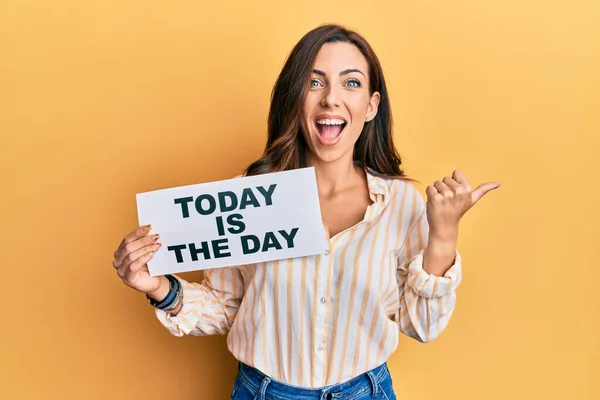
column 426, row 301
column 209, row 307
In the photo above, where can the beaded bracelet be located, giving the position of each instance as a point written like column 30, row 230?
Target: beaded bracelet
column 176, row 303
column 171, row 299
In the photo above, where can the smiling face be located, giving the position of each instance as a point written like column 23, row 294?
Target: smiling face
column 338, row 103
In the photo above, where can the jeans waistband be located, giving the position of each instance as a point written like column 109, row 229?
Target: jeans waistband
column 269, row 388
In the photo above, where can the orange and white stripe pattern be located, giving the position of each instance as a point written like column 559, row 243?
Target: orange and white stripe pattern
column 321, row 320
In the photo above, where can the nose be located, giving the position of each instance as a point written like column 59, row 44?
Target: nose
column 331, row 97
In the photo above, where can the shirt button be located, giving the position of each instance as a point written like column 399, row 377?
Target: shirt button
column 326, row 252
column 320, row 347
column 323, row 300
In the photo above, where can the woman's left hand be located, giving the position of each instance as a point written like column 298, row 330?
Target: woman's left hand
column 448, row 200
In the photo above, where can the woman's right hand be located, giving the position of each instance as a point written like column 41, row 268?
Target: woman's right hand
column 131, row 258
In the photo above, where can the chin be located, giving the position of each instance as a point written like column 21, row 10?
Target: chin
column 328, row 158
column 330, row 153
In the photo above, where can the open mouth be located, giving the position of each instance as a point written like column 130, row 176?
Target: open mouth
column 330, row 128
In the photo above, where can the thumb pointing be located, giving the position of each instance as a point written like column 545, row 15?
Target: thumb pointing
column 483, row 189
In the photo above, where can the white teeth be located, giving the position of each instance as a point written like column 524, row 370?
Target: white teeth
column 330, row 121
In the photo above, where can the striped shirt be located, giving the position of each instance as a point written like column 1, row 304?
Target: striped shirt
column 321, row 320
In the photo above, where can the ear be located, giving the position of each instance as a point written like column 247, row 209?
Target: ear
column 373, row 106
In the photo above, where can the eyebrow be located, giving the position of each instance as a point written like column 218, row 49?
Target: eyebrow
column 344, row 72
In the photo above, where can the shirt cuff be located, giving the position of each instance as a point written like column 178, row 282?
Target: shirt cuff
column 431, row 286
column 186, row 320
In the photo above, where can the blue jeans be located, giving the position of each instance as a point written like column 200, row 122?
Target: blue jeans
column 251, row 384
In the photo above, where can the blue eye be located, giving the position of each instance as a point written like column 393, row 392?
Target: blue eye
column 353, row 83
column 314, row 83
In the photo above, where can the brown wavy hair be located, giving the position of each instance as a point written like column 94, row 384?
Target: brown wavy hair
column 286, row 147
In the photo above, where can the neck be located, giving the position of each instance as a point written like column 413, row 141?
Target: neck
column 335, row 176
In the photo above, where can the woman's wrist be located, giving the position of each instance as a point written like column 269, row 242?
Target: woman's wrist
column 161, row 291
column 439, row 256
column 168, row 296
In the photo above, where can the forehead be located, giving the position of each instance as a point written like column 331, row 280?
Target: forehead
column 338, row 56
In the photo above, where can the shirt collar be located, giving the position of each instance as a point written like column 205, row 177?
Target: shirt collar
column 377, row 185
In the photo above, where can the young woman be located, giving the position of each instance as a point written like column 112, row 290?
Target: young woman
column 324, row 326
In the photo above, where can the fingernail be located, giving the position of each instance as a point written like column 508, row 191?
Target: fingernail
column 149, row 227
column 158, row 245
column 156, row 236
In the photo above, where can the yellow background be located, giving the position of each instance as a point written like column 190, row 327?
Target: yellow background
column 100, row 100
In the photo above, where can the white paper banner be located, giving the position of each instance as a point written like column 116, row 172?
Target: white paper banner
column 233, row 222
